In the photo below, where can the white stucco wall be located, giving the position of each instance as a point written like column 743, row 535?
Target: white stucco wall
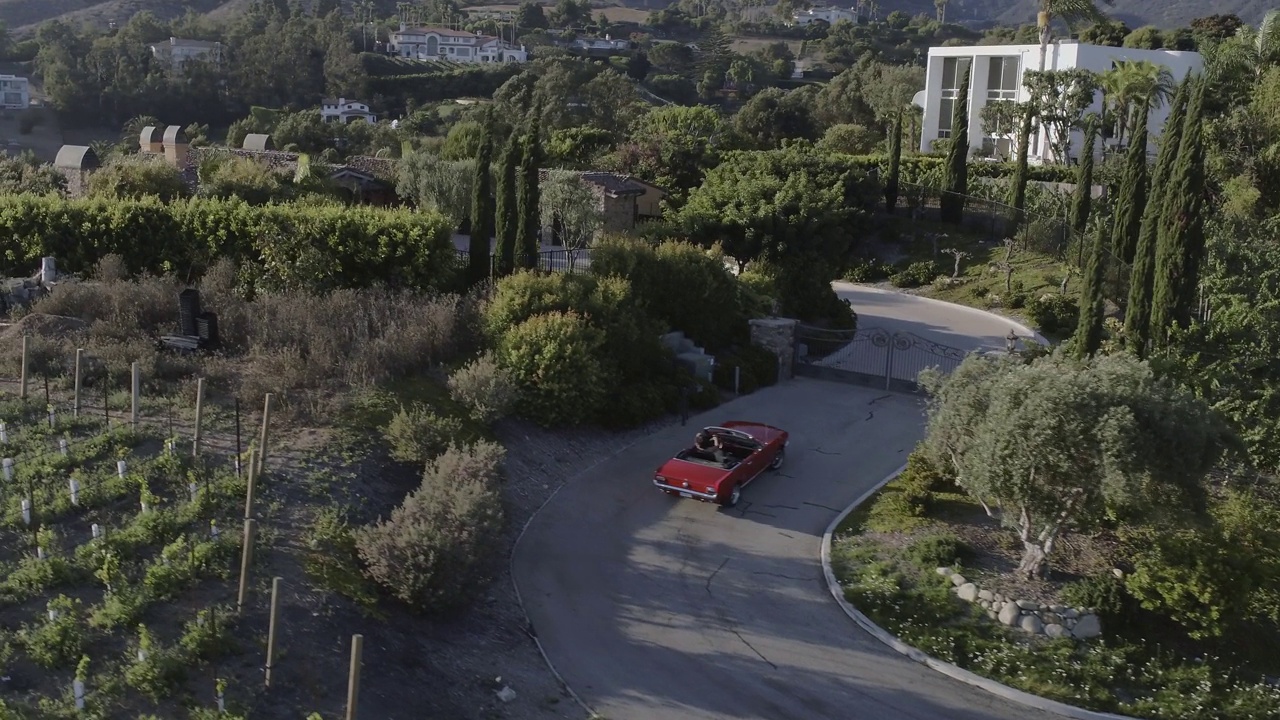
column 1062, row 55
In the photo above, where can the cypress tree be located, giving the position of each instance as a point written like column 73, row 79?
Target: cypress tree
column 1137, row 319
column 482, row 212
column 1133, row 193
column 528, row 193
column 1088, row 337
column 895, row 166
column 506, row 210
column 1083, row 199
column 1018, row 189
column 956, row 184
column 1180, row 247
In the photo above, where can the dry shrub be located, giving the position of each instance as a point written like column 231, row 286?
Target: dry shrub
column 419, row 435
column 110, row 269
column 440, row 548
column 147, row 305
column 484, row 388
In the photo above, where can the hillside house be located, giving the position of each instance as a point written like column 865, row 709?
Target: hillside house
column 342, row 110
column 15, row 92
column 177, row 52
column 828, row 15
column 441, row 43
column 996, row 76
column 624, row 200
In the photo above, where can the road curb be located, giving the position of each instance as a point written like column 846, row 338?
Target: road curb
column 1004, row 691
column 1022, row 329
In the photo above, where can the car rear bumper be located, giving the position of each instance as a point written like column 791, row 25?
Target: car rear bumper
column 686, row 492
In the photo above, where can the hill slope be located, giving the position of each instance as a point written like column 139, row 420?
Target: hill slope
column 24, row 15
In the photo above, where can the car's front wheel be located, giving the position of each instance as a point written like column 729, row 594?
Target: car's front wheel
column 777, row 461
column 734, row 496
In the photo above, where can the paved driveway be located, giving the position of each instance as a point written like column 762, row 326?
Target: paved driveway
column 654, row 608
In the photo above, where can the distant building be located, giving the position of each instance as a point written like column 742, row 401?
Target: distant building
column 996, row 73
column 15, row 92
column 344, row 111
column 441, row 43
column 597, row 46
column 830, row 16
column 178, row 52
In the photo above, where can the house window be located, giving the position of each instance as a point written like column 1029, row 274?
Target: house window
column 953, row 69
column 1002, row 78
column 12, row 98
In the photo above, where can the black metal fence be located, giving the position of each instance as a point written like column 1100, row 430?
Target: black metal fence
column 871, row 356
column 571, row 261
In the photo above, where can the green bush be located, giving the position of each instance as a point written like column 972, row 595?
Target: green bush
column 868, row 271
column 939, row 550
column 922, row 477
column 555, row 361
column 755, row 368
column 441, row 546
column 484, row 389
column 153, row 670
column 1054, row 313
column 916, row 274
column 58, row 642
column 680, row 285
column 895, row 511
column 290, row 246
column 133, row 177
column 1191, row 578
column 1103, row 593
column 417, row 434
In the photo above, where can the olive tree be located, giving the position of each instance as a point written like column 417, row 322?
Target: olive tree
column 436, row 184
column 1060, row 444
column 572, row 209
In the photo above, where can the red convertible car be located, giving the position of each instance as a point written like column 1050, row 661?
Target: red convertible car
column 739, row 453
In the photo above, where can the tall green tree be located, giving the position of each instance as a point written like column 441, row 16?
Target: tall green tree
column 1018, row 188
column 895, row 165
column 1082, row 201
column 956, row 182
column 507, row 221
column 482, row 208
column 1181, row 244
column 1088, row 337
column 1137, row 319
column 528, row 193
column 1133, row 194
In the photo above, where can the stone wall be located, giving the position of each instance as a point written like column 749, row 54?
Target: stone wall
column 778, row 336
column 619, row 213
column 1055, row 621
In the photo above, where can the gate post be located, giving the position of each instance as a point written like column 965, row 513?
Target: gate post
column 888, row 361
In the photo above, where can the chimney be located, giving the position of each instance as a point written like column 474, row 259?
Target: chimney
column 151, row 141
column 341, row 101
column 403, row 26
column 175, row 146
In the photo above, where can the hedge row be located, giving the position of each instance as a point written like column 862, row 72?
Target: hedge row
column 481, row 80
column 918, row 168
column 294, row 246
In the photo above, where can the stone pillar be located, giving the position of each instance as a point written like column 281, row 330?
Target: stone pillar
column 778, row 336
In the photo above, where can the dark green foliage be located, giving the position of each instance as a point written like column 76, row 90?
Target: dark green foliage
column 942, row 549
column 753, row 366
column 956, row 181
column 1088, row 337
column 1021, row 173
column 868, row 271
column 1054, row 314
column 1133, row 193
column 680, row 286
column 292, row 246
column 895, row 165
column 482, row 207
column 506, row 207
column 1083, row 197
column 1137, row 320
column 527, row 191
column 1103, row 593
column 916, row 274
column 557, row 361
column 478, row 80
column 1181, row 244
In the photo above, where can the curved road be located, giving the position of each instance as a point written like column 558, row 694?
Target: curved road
column 653, row 608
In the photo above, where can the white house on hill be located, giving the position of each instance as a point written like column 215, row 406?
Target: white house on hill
column 15, row 92
column 178, row 51
column 996, row 75
column 441, row 43
column 828, row 15
column 344, row 111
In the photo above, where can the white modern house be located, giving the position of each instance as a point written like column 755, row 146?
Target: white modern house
column 441, row 43
column 177, row 52
column 828, row 15
column 996, row 76
column 344, row 111
column 15, row 92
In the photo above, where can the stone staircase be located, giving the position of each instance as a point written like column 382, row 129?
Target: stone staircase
column 689, row 354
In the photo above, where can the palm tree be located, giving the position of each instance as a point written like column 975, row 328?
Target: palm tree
column 941, row 7
column 1250, row 52
column 1070, row 11
column 1129, row 86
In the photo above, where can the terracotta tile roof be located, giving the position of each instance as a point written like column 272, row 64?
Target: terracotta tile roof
column 614, row 184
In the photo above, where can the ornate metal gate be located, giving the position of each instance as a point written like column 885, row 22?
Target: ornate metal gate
column 874, row 356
